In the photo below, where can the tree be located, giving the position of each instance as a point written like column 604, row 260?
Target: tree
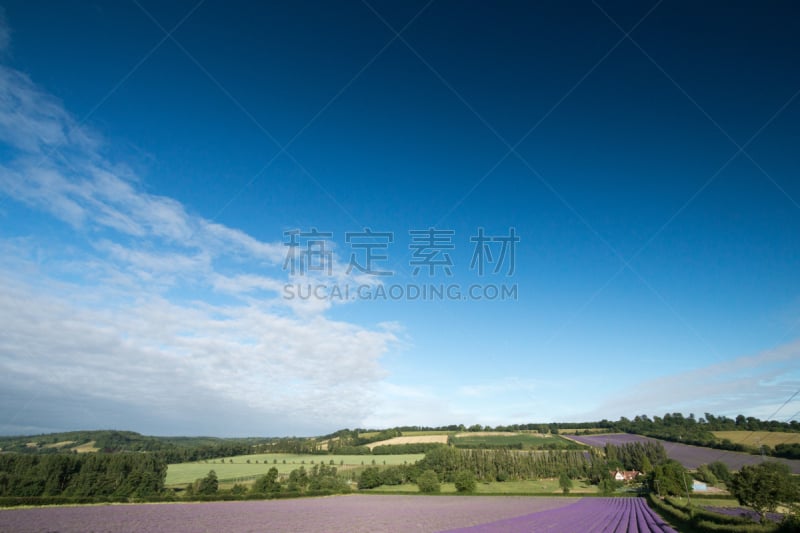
column 670, row 478
column 465, row 481
column 208, row 484
column 428, row 482
column 298, row 479
column 564, row 482
column 647, row 466
column 705, row 474
column 268, row 482
column 763, row 487
column 721, row 471
column 370, row 478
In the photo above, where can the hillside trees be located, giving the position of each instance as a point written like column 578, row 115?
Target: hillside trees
column 89, row 475
column 501, row 465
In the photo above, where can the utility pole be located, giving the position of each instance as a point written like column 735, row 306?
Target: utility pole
column 688, row 501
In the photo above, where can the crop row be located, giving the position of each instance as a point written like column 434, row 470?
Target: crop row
column 589, row 515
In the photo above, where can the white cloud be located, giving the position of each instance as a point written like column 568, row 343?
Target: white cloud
column 747, row 385
column 93, row 319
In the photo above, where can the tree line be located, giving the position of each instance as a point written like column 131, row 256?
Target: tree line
column 85, row 475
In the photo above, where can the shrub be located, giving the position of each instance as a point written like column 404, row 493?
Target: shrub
column 465, row 481
column 370, row 478
column 428, row 482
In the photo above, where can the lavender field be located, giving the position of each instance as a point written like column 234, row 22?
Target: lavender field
column 688, row 456
column 743, row 513
column 589, row 515
column 352, row 513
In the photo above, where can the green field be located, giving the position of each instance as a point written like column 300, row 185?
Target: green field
column 536, row 486
column 183, row 473
column 713, row 502
column 527, row 440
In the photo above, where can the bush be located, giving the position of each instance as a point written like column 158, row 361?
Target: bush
column 465, row 481
column 393, row 475
column 721, row 471
column 428, row 482
column 370, row 478
column 238, row 489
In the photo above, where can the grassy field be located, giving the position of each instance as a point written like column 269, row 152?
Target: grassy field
column 536, row 486
column 756, row 438
column 183, row 473
column 86, row 448
column 528, row 440
column 714, row 502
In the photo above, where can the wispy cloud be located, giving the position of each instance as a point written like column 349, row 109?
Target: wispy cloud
column 748, row 385
column 126, row 310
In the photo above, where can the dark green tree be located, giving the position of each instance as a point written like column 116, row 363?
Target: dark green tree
column 763, row 487
column 705, row 474
column 670, row 478
column 721, row 471
column 564, row 482
column 298, row 479
column 208, row 484
column 268, row 482
column 370, row 478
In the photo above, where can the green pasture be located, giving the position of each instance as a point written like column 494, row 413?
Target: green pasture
column 259, row 464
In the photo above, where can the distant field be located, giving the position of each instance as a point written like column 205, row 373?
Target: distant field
column 59, row 444
column 86, row 448
column 415, row 439
column 689, row 456
column 183, row 473
column 527, row 440
column 430, row 432
column 756, row 438
column 572, row 431
column 486, row 434
column 536, row 486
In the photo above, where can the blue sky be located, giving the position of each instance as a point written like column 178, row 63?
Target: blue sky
column 153, row 157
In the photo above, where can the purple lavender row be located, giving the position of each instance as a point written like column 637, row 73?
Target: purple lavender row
column 588, row 515
column 744, row 513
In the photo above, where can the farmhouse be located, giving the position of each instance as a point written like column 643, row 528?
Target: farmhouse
column 625, row 475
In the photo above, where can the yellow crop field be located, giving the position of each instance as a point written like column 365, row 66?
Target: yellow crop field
column 757, row 438
column 409, row 440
